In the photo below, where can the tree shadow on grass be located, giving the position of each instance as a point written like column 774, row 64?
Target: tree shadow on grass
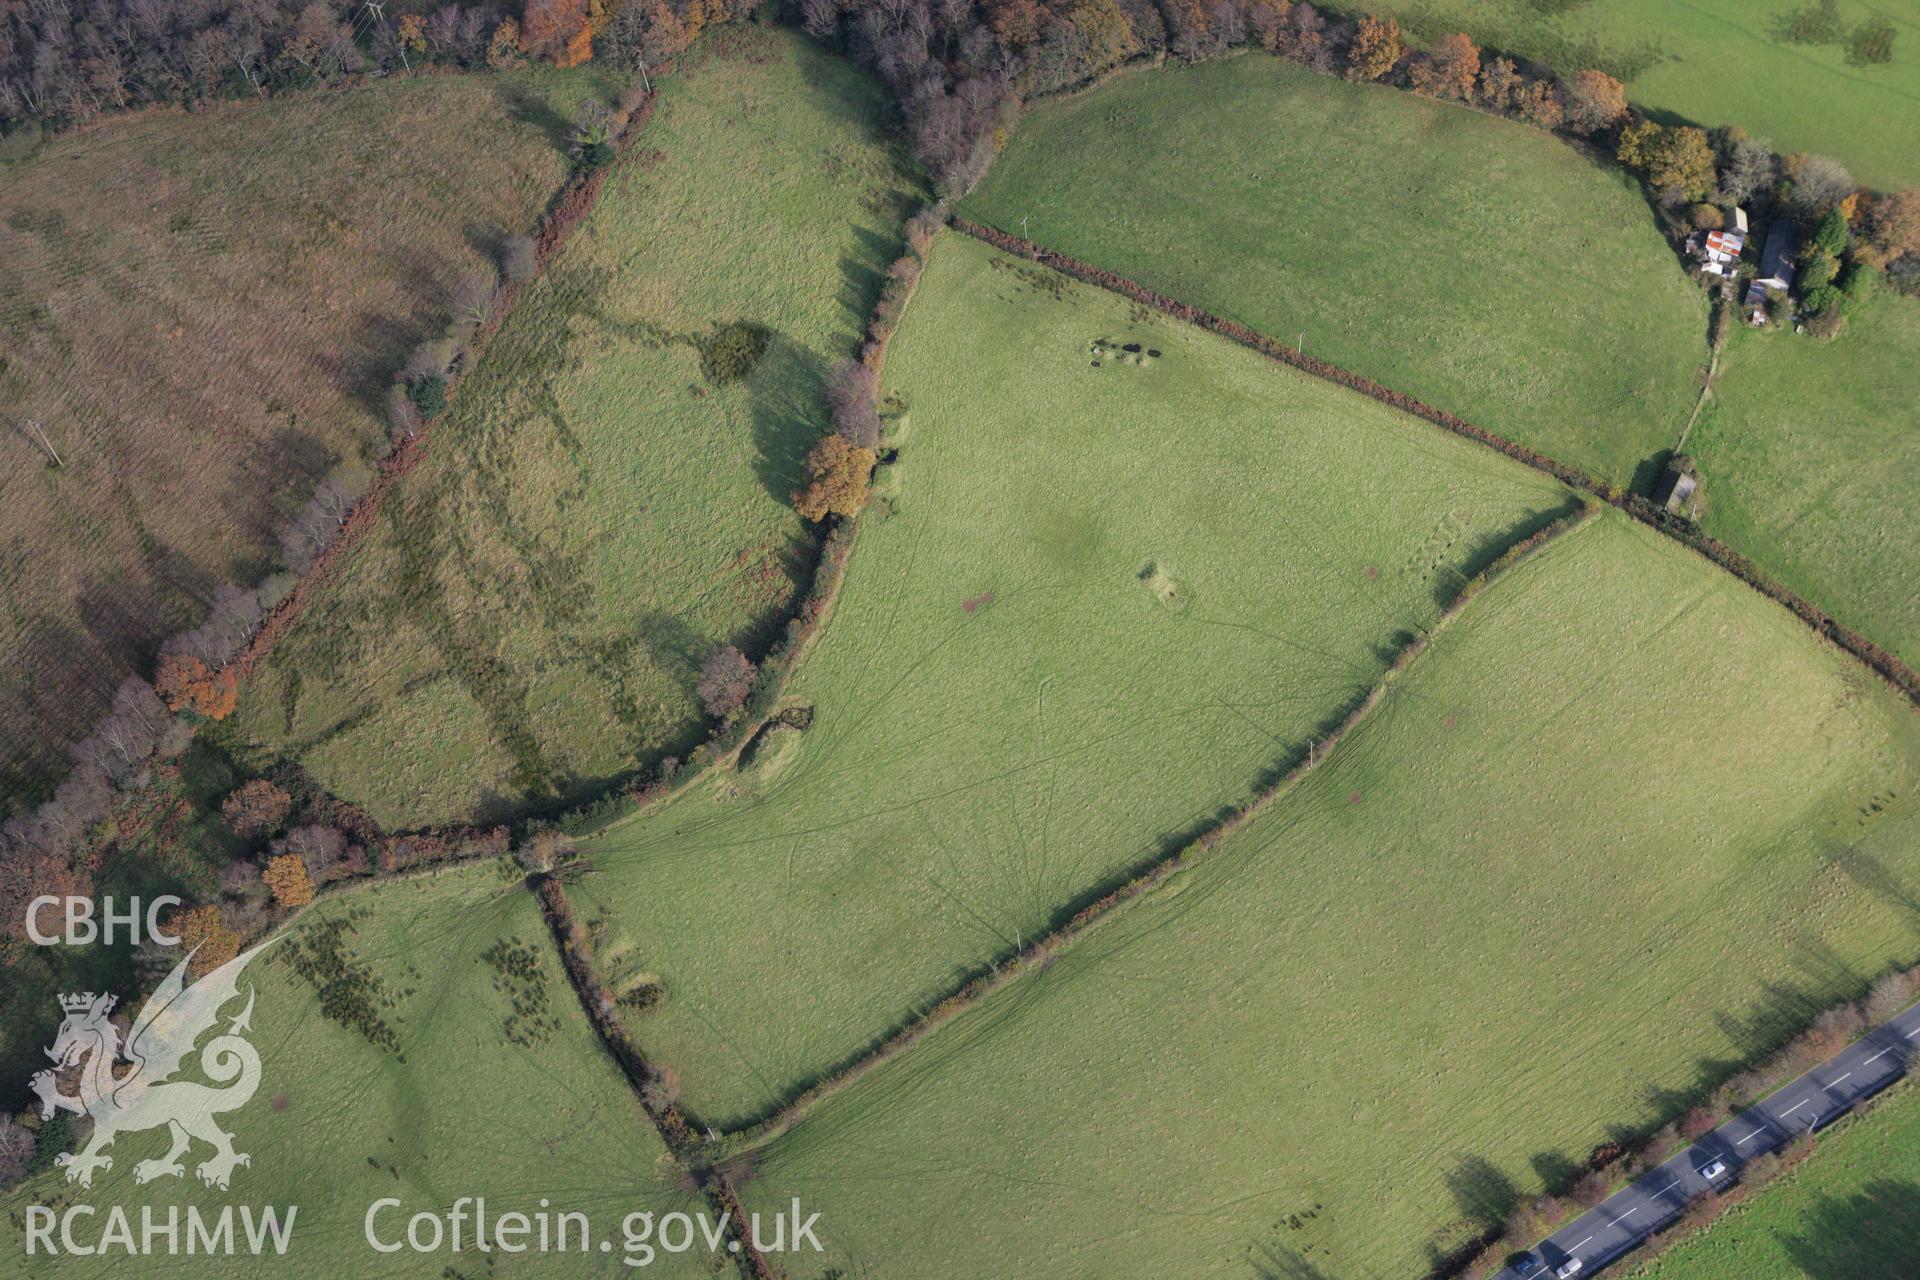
column 1485, row 1195
column 1487, row 547
column 1277, row 1262
column 1647, row 474
column 787, row 414
column 524, row 106
column 1872, row 1235
column 1880, row 880
column 864, row 274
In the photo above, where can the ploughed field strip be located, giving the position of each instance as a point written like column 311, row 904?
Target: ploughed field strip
column 202, row 313
column 456, row 1040
column 1613, row 800
column 1718, row 62
column 606, row 502
column 1481, row 266
column 1120, row 572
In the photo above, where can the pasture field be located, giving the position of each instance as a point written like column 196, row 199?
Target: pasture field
column 1851, row 1212
column 1101, row 594
column 1809, row 455
column 1717, row 62
column 202, row 313
column 1534, row 894
column 597, row 514
column 493, row 1085
column 1479, row 265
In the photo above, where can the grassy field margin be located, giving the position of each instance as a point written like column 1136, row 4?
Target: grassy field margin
column 1882, row 662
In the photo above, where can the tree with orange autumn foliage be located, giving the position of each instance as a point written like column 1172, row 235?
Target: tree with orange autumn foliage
column 206, row 936
column 287, row 876
column 413, row 34
column 185, row 683
column 1448, row 70
column 556, row 30
column 1595, row 101
column 837, row 479
column 1376, row 49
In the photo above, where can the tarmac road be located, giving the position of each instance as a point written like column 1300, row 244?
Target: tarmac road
column 1654, row 1199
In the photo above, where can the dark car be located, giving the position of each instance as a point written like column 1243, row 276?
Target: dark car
column 1526, row 1264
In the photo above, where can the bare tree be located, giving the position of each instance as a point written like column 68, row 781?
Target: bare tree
column 473, row 299
column 850, row 390
column 1889, row 996
column 319, row 523
column 726, row 678
column 321, row 849
column 1817, row 183
column 1747, row 168
column 16, row 1150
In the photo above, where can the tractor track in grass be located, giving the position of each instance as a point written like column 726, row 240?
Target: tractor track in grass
column 1102, row 902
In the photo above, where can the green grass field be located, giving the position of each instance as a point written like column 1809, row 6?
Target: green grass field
column 1810, row 456
column 1851, row 1212
column 1482, row 266
column 1534, row 895
column 1107, row 602
column 495, row 1086
column 203, row 311
column 1716, row 62
column 596, row 516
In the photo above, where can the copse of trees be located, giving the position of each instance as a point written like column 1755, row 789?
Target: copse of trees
column 71, row 62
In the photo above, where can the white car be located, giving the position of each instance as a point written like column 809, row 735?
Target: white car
column 1570, row 1268
column 1714, row 1171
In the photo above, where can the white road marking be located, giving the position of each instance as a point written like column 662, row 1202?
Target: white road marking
column 1915, row 1032
column 1876, row 1057
column 1842, row 1078
column 1795, row 1107
column 1628, row 1214
column 1581, row 1245
column 1749, row 1138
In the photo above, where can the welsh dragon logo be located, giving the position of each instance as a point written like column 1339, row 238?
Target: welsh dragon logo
column 162, row 1037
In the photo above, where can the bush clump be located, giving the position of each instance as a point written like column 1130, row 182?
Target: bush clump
column 429, row 395
column 732, row 350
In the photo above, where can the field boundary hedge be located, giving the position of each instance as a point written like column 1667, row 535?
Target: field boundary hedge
column 652, row 1089
column 1890, row 668
column 1037, row 954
